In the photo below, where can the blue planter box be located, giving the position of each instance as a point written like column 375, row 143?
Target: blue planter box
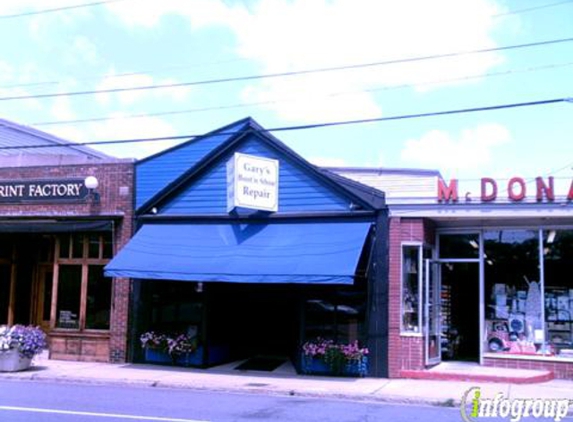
column 215, row 355
column 317, row 366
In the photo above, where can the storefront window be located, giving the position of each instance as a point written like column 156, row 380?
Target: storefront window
column 5, row 272
column 411, row 281
column 460, row 246
column 99, row 299
column 69, row 291
column 558, row 265
column 513, row 295
column 336, row 316
column 81, row 264
column 93, row 246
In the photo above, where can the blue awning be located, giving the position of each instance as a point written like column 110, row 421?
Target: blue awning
column 319, row 253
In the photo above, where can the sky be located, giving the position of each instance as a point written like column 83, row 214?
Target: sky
column 132, row 43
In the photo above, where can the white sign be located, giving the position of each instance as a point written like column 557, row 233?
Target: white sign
column 252, row 182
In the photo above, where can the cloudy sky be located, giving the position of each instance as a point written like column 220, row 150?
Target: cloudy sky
column 134, row 43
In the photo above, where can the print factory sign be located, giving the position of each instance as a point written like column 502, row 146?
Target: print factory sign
column 515, row 189
column 42, row 190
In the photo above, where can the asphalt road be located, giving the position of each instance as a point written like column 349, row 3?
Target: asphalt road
column 62, row 402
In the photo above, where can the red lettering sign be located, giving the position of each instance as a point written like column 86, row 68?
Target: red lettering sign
column 447, row 193
column 485, row 196
column 543, row 188
column 510, row 189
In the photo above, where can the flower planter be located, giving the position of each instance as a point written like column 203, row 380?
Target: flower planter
column 195, row 358
column 11, row 361
column 317, row 366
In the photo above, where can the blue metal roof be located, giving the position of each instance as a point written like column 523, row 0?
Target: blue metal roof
column 153, row 174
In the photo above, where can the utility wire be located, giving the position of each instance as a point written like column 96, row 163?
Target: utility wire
column 530, row 9
column 311, row 126
column 290, row 73
column 179, row 67
column 294, row 99
column 188, row 66
column 57, row 9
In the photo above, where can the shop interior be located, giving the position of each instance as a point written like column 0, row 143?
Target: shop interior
column 27, row 263
column 460, row 311
column 258, row 326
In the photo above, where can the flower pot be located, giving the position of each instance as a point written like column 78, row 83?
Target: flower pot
column 11, row 361
column 194, row 358
column 317, row 366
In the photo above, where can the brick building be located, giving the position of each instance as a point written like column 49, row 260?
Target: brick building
column 477, row 272
column 64, row 212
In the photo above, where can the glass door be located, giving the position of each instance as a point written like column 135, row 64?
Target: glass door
column 432, row 311
column 44, row 296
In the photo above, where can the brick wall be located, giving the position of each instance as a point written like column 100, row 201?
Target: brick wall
column 116, row 201
column 406, row 351
column 563, row 370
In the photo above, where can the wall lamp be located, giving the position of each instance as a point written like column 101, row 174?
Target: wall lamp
column 91, row 183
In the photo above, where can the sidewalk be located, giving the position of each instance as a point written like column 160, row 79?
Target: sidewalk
column 283, row 381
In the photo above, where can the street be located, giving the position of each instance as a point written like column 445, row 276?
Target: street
column 47, row 402
column 66, row 402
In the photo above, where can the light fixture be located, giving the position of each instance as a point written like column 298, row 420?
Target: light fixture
column 473, row 244
column 91, row 183
column 551, row 236
column 199, row 287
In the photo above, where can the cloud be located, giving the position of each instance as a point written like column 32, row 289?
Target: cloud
column 123, row 128
column 61, row 109
column 471, row 150
column 113, row 81
column 290, row 35
column 85, row 50
column 40, row 24
column 328, row 161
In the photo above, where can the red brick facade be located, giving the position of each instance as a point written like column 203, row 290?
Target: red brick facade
column 115, row 204
column 406, row 351
column 563, row 370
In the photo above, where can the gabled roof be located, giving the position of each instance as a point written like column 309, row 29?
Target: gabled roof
column 174, row 162
column 192, row 157
column 15, row 138
column 368, row 193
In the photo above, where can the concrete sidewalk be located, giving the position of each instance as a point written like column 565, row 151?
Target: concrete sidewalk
column 283, row 381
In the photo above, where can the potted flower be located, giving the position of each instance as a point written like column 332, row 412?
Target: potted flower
column 325, row 357
column 179, row 349
column 18, row 345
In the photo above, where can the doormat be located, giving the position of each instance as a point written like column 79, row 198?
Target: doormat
column 261, row 363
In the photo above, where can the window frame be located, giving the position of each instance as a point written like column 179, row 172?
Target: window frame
column 420, row 250
column 85, row 263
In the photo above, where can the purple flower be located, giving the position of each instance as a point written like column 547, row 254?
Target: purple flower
column 28, row 340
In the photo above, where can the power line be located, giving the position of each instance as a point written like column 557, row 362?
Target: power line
column 127, row 74
column 530, row 9
column 314, row 125
column 57, row 9
column 293, row 99
column 288, row 74
column 188, row 66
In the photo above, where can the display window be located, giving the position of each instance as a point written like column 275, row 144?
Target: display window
column 83, row 294
column 528, row 298
column 411, row 288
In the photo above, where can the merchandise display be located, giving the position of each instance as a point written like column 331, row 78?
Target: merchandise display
column 514, row 325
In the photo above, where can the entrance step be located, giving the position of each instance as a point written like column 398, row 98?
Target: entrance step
column 462, row 371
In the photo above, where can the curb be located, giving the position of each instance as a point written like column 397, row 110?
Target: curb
column 268, row 390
